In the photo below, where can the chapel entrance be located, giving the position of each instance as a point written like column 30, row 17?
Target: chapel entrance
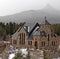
column 36, row 45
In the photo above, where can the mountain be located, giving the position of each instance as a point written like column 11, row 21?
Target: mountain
column 31, row 16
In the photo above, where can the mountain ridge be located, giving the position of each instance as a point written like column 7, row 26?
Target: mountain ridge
column 53, row 16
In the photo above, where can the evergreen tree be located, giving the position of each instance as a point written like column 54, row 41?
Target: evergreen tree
column 18, row 56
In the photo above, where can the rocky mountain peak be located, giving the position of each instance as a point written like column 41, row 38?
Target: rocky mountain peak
column 48, row 7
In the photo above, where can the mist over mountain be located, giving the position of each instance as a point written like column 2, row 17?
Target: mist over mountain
column 31, row 16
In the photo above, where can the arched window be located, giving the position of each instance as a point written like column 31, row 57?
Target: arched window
column 14, row 41
column 53, row 43
column 29, row 42
column 43, row 43
column 22, row 38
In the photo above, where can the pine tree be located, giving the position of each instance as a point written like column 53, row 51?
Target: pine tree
column 18, row 56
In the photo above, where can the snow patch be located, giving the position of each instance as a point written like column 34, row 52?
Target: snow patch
column 24, row 52
column 11, row 56
column 0, row 57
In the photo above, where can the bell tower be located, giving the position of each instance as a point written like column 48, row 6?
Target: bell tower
column 46, row 26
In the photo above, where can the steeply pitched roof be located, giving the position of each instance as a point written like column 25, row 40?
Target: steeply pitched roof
column 30, row 25
column 53, row 34
column 15, row 35
column 46, row 22
column 34, row 28
column 37, row 32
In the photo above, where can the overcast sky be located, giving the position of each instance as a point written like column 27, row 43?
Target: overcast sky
column 8, row 7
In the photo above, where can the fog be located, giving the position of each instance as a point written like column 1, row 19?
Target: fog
column 8, row 7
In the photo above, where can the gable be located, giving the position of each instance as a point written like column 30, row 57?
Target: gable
column 16, row 34
column 22, row 30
